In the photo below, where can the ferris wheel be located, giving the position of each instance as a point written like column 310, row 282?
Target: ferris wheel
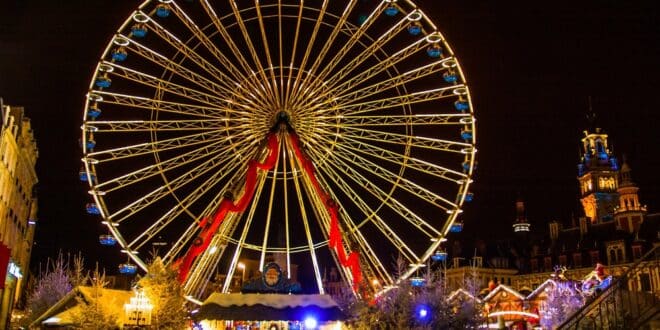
column 321, row 133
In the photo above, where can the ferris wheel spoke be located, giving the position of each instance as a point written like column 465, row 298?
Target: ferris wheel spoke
column 305, row 220
column 270, row 89
column 189, row 53
column 269, row 60
column 217, row 22
column 164, row 85
column 351, row 109
column 300, row 82
column 139, row 102
column 346, row 48
column 246, row 229
column 458, row 119
column 137, row 176
column 308, row 49
column 122, row 126
column 424, row 226
column 388, row 62
column 149, row 147
column 173, row 185
column 405, row 140
column 223, row 91
column 351, row 237
column 369, row 213
column 405, row 184
column 353, row 234
column 409, row 162
column 226, row 63
column 179, row 208
column 383, row 85
column 366, row 53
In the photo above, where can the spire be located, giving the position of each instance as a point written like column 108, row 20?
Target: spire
column 625, row 173
column 520, row 224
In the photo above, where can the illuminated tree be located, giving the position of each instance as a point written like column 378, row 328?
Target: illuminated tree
column 94, row 312
column 419, row 303
column 164, row 291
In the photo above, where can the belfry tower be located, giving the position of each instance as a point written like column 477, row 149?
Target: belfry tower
column 629, row 214
column 598, row 177
column 521, row 225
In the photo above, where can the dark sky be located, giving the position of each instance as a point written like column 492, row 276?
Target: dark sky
column 531, row 68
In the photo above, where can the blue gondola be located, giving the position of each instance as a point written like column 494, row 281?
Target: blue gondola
column 469, row 197
column 466, row 166
column 434, row 51
column 450, row 77
column 138, row 31
column 362, row 18
column 127, row 269
column 107, row 240
column 90, row 144
column 414, row 29
column 103, row 82
column 417, row 282
column 391, row 11
column 93, row 113
column 162, row 11
column 439, row 256
column 456, row 227
column 466, row 135
column 119, row 54
column 461, row 105
column 92, row 209
column 83, row 176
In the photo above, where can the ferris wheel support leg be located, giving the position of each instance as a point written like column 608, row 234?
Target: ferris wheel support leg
column 209, row 228
column 352, row 260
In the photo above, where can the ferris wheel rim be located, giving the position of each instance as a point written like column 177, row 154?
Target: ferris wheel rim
column 91, row 159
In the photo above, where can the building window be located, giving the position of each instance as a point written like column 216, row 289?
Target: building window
column 594, row 257
column 547, row 264
column 562, row 260
column 577, row 260
column 535, row 265
column 637, row 251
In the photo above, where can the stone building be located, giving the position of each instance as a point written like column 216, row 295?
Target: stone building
column 18, row 204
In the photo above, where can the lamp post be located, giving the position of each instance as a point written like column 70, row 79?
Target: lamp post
column 241, row 266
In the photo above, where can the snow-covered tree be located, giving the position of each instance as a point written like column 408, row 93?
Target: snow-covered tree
column 94, row 312
column 164, row 291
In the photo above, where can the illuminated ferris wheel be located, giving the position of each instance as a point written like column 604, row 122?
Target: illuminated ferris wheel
column 320, row 133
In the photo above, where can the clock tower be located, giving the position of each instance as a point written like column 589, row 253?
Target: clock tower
column 598, row 174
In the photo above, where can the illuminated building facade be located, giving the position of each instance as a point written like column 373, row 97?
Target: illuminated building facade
column 18, row 204
column 615, row 231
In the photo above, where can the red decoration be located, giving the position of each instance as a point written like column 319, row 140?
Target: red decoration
column 227, row 205
column 5, row 253
column 352, row 260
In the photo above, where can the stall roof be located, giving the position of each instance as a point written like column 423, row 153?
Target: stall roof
column 269, row 307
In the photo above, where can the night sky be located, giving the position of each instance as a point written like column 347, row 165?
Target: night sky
column 531, row 69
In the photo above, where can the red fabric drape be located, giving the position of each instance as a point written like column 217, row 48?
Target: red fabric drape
column 209, row 228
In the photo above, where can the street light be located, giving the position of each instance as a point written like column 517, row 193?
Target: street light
column 241, row 266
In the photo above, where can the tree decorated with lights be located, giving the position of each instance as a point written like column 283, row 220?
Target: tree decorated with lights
column 164, row 292
column 93, row 312
column 564, row 298
column 421, row 302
